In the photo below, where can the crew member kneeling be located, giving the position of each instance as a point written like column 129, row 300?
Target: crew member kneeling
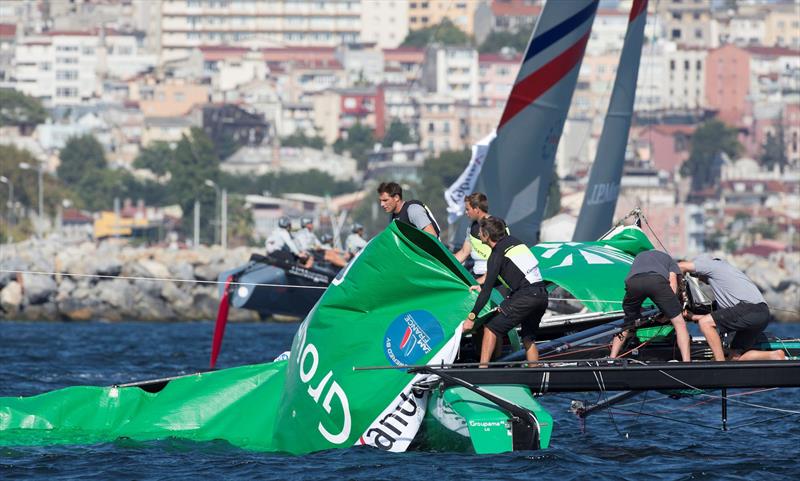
column 512, row 264
column 742, row 310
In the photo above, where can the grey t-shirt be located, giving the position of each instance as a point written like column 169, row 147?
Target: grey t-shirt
column 729, row 284
column 418, row 216
column 653, row 262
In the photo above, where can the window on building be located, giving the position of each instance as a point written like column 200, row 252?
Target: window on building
column 431, row 127
column 66, row 74
column 687, row 65
column 676, row 33
column 672, row 65
column 698, row 33
column 699, row 65
column 676, row 15
column 446, row 127
column 66, row 92
column 696, row 15
column 88, row 50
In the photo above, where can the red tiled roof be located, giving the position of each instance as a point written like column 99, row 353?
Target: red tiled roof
column 70, row 33
column 772, row 51
column 499, row 58
column 514, row 8
column 8, row 30
column 668, row 129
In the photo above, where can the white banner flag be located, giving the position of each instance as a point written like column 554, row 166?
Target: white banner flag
column 464, row 185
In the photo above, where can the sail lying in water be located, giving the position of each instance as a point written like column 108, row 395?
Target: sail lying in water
column 602, row 191
column 400, row 302
column 519, row 165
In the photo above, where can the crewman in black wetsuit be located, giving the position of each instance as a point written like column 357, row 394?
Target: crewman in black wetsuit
column 412, row 212
column 514, row 265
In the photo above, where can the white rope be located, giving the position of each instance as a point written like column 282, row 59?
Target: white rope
column 161, row 279
column 258, row 284
column 758, row 406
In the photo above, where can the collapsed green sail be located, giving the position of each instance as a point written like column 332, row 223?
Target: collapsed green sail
column 399, row 302
column 593, row 272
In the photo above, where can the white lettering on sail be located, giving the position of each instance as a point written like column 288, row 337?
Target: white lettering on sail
column 337, row 391
column 310, row 350
column 306, row 376
column 602, row 193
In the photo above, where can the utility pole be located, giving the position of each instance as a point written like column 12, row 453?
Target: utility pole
column 10, row 205
column 196, row 240
column 224, row 215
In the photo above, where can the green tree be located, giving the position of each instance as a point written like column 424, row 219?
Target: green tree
column 397, row 132
column 446, row 33
column 437, row 174
column 299, row 139
column 225, row 145
column 774, row 150
column 359, row 141
column 98, row 188
column 157, row 158
column 80, row 156
column 553, row 204
column 26, row 186
column 709, row 140
column 240, row 222
column 20, row 110
column 496, row 41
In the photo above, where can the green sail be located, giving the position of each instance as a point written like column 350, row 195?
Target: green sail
column 593, row 272
column 400, row 302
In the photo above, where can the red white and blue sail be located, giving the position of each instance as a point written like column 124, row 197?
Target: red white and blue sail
column 602, row 191
column 519, row 165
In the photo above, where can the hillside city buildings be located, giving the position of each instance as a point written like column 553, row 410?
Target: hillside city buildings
column 133, row 72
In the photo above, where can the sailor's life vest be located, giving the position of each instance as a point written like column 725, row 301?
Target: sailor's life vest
column 402, row 216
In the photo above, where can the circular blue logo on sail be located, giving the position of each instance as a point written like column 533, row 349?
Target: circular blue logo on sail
column 411, row 336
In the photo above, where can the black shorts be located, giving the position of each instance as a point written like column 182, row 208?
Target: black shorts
column 649, row 285
column 747, row 321
column 526, row 306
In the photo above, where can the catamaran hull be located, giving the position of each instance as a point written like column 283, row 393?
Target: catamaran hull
column 458, row 419
column 269, row 289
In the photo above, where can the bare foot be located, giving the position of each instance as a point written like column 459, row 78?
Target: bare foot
column 778, row 355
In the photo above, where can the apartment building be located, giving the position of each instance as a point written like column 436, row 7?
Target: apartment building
column 496, row 76
column 687, row 22
column 453, row 71
column 384, row 22
column 427, row 13
column 59, row 68
column 186, row 24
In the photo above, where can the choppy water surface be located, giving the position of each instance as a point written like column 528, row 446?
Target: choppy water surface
column 38, row 357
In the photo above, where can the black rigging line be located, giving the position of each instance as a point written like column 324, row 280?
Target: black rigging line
column 715, row 428
column 760, row 421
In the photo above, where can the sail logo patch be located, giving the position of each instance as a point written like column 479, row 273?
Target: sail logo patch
column 411, row 336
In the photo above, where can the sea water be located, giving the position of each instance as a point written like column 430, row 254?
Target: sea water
column 615, row 445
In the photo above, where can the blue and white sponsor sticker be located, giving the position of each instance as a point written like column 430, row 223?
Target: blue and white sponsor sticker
column 411, row 336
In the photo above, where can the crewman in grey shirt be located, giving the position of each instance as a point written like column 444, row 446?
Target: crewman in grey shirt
column 741, row 310
column 654, row 275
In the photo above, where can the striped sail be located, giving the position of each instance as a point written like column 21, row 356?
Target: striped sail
column 602, row 191
column 519, row 166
